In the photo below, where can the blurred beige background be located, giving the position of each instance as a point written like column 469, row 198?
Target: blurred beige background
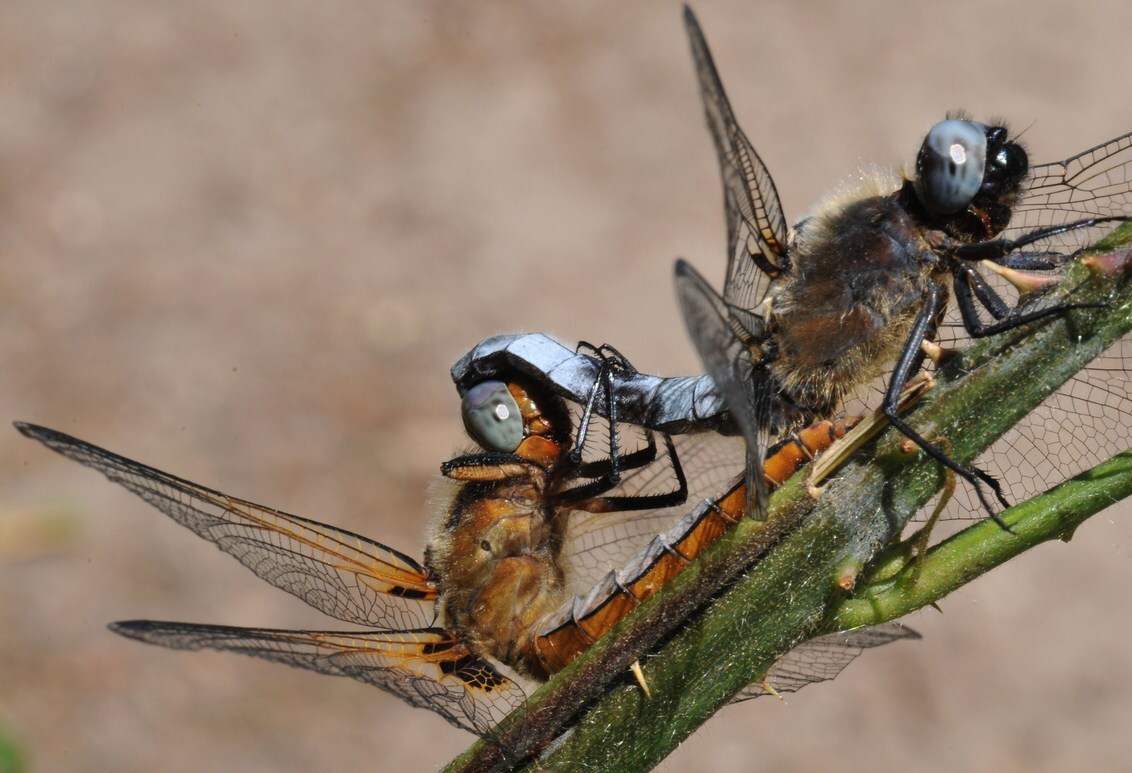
column 245, row 241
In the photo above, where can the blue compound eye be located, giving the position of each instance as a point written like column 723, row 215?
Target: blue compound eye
column 951, row 165
column 491, row 416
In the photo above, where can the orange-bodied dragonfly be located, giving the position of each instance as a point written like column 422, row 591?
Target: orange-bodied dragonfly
column 496, row 582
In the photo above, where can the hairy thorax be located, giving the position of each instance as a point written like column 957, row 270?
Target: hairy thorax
column 839, row 317
column 499, row 569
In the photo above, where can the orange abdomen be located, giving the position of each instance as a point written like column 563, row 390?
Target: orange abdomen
column 583, row 620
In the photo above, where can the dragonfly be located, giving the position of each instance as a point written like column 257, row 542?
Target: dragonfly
column 856, row 296
column 859, row 288
column 491, row 608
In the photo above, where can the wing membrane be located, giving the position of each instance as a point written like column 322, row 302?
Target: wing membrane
column 597, row 543
column 1093, row 183
column 823, row 658
column 754, row 212
column 342, row 574
column 428, row 668
column 728, row 360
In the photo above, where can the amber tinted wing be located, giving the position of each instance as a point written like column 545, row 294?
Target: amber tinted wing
column 823, row 658
column 727, row 359
column 428, row 668
column 337, row 572
column 1095, row 183
column 754, row 214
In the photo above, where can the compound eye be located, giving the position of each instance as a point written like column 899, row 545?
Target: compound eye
column 1007, row 168
column 951, row 165
column 492, row 416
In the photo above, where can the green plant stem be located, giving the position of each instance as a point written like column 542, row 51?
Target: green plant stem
column 976, row 550
column 739, row 636
column 800, row 557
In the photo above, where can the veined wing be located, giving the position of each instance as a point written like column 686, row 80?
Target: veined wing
column 590, row 615
column 1094, row 183
column 428, row 668
column 1083, row 423
column 754, row 213
column 342, row 574
column 596, row 543
column 728, row 360
column 823, row 658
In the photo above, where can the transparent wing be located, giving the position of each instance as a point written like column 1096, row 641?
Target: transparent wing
column 342, row 574
column 1094, row 183
column 597, row 543
column 1085, row 422
column 754, row 214
column 428, row 668
column 823, row 658
column 728, row 360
